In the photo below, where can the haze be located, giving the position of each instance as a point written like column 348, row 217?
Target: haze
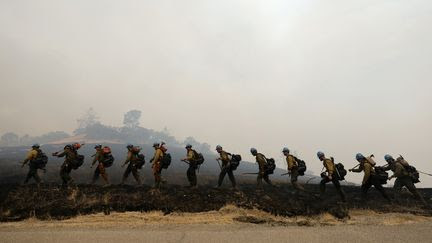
column 338, row 76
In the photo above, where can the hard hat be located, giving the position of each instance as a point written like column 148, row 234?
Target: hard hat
column 98, row 146
column 285, row 150
column 253, row 150
column 388, row 158
column 359, row 156
column 218, row 147
column 188, row 146
column 320, row 154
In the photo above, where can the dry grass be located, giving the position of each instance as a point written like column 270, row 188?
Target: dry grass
column 225, row 216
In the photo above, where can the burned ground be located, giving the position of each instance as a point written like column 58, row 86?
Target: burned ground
column 52, row 202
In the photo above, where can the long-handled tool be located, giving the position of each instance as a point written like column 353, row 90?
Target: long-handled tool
column 355, row 167
column 424, row 173
column 185, row 162
column 220, row 167
column 307, row 182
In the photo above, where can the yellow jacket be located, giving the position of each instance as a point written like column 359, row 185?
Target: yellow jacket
column 190, row 156
column 69, row 154
column 261, row 160
column 291, row 162
column 131, row 157
column 368, row 171
column 31, row 155
column 157, row 156
column 399, row 170
column 329, row 165
column 98, row 157
column 224, row 157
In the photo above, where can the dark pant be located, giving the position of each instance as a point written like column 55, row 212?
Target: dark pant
column 191, row 175
column 407, row 182
column 294, row 182
column 100, row 171
column 65, row 174
column 373, row 181
column 226, row 170
column 336, row 184
column 131, row 169
column 32, row 173
column 261, row 176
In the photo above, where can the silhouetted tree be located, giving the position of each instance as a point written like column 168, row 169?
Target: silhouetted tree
column 203, row 147
column 9, row 139
column 131, row 118
column 90, row 118
column 25, row 140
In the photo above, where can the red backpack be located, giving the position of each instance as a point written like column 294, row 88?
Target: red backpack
column 106, row 150
column 136, row 150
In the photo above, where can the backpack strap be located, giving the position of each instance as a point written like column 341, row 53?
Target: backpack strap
column 295, row 159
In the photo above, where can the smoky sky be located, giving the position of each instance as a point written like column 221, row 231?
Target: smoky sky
column 338, row 76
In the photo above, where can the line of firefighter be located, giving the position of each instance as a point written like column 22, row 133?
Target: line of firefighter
column 332, row 173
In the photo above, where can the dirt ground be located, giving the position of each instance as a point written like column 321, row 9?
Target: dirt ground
column 229, row 224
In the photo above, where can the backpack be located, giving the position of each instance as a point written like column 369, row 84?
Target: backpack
column 166, row 161
column 270, row 166
column 301, row 166
column 41, row 160
column 136, row 150
column 108, row 158
column 381, row 175
column 76, row 163
column 413, row 173
column 402, row 161
column 198, row 158
column 140, row 161
column 341, row 172
column 235, row 161
column 106, row 150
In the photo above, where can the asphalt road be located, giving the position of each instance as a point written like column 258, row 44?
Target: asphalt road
column 419, row 232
